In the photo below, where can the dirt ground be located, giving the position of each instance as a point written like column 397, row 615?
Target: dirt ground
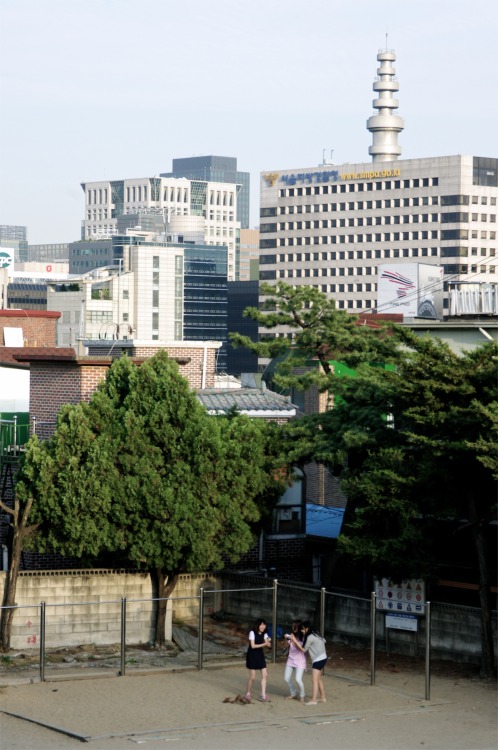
column 164, row 698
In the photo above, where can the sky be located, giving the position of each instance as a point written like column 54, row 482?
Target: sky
column 114, row 89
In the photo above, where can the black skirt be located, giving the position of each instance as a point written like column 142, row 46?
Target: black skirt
column 255, row 657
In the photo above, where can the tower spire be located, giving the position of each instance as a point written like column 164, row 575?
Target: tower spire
column 385, row 125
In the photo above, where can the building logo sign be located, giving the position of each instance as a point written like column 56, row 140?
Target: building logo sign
column 371, row 174
column 310, row 178
column 330, row 175
column 271, row 178
column 6, row 258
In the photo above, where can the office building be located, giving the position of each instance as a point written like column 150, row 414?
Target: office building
column 49, row 253
column 217, row 169
column 331, row 226
column 180, row 207
column 159, row 292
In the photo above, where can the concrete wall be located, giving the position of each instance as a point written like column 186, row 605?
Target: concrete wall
column 455, row 630
column 84, row 607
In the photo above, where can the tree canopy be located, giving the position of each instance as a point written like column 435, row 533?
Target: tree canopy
column 411, row 434
column 142, row 471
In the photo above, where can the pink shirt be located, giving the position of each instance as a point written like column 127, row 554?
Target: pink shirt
column 296, row 657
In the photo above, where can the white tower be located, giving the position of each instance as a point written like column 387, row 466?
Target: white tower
column 385, row 125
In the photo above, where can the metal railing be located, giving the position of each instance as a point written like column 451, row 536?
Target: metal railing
column 325, row 603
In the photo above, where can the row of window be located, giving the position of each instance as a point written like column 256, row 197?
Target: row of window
column 359, row 187
column 425, row 200
column 221, row 217
column 406, row 252
column 450, row 218
column 303, row 273
column 307, row 273
column 443, row 235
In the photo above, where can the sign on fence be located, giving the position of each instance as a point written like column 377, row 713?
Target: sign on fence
column 406, row 596
column 401, row 622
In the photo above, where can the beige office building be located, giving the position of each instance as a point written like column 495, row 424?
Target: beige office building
column 331, row 226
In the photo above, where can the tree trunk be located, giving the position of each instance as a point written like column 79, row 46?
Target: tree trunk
column 163, row 585
column 487, row 643
column 17, row 538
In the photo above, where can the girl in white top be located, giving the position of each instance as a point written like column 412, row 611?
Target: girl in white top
column 255, row 659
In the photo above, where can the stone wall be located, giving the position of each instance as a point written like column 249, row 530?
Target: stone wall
column 83, row 607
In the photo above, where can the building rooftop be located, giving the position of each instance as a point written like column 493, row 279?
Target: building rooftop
column 254, row 402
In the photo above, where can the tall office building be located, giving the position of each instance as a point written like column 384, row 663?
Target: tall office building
column 217, row 169
column 331, row 226
column 174, row 203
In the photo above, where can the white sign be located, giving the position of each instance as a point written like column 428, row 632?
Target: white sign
column 413, row 289
column 402, row 622
column 407, row 596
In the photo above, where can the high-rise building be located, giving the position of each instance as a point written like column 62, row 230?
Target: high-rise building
column 331, row 226
column 217, row 169
column 179, row 206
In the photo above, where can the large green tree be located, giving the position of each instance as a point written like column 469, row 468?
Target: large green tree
column 416, row 448
column 414, row 443
column 143, row 472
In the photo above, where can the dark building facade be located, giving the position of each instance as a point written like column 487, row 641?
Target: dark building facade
column 242, row 294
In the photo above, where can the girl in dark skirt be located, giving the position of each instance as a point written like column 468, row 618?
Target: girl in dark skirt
column 255, row 659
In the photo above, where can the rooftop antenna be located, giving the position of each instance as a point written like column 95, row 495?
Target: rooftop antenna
column 325, row 161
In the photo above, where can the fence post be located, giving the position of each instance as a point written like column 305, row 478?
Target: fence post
column 428, row 651
column 201, row 628
column 274, row 623
column 373, row 636
column 123, row 636
column 15, row 436
column 42, row 641
column 322, row 612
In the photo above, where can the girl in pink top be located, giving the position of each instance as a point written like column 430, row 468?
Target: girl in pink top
column 296, row 664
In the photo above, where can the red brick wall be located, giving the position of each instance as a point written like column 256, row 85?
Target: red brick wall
column 193, row 370
column 38, row 326
column 54, row 383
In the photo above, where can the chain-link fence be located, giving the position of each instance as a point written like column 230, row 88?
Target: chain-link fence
column 214, row 624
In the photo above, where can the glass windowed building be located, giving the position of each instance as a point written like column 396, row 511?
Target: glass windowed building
column 216, row 169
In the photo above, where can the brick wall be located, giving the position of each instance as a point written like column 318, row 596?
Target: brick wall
column 192, row 370
column 54, row 382
column 38, row 326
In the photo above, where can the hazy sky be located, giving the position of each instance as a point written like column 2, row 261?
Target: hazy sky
column 109, row 89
